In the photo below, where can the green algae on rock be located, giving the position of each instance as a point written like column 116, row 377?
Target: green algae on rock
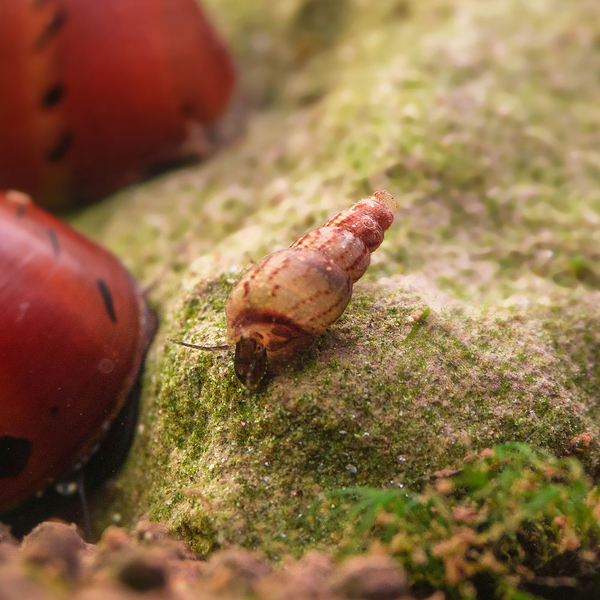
column 364, row 410
column 515, row 522
column 481, row 119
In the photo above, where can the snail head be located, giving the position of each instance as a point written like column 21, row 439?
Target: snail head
column 264, row 349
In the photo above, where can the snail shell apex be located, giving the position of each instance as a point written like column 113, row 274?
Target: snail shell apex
column 295, row 294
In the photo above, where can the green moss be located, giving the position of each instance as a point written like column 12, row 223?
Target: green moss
column 482, row 119
column 363, row 409
column 515, row 522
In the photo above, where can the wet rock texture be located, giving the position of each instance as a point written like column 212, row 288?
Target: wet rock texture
column 481, row 118
column 54, row 562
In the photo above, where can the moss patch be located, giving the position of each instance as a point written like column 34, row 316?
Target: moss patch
column 516, row 523
column 482, row 119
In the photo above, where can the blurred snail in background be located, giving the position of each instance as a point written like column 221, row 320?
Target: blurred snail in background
column 75, row 331
column 289, row 297
column 97, row 94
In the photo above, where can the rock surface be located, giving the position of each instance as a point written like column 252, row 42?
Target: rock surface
column 53, row 562
column 481, row 118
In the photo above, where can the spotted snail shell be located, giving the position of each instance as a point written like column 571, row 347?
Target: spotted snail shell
column 75, row 330
column 96, row 94
column 290, row 296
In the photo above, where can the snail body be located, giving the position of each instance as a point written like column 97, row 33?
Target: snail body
column 289, row 297
column 75, row 330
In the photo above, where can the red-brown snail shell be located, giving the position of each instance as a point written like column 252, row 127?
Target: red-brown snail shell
column 97, row 94
column 75, row 330
column 281, row 303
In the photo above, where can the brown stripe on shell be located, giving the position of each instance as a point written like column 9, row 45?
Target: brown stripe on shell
column 278, row 270
column 312, row 300
column 253, row 315
column 54, row 25
column 334, row 306
column 380, row 212
column 361, row 224
column 346, row 249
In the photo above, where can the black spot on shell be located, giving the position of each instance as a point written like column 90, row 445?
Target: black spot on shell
column 54, row 242
column 60, row 149
column 14, row 455
column 108, row 300
column 54, row 25
column 54, row 410
column 187, row 109
column 52, row 96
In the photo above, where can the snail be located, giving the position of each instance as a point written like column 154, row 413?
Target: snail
column 97, row 94
column 75, row 330
column 281, row 303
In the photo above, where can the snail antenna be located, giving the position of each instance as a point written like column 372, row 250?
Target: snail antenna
column 195, row 347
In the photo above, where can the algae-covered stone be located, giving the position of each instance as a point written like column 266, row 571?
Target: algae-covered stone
column 482, row 119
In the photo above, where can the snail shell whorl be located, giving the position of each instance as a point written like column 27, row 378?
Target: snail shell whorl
column 292, row 295
column 292, row 287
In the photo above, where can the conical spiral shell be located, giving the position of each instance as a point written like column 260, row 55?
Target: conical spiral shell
column 293, row 295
